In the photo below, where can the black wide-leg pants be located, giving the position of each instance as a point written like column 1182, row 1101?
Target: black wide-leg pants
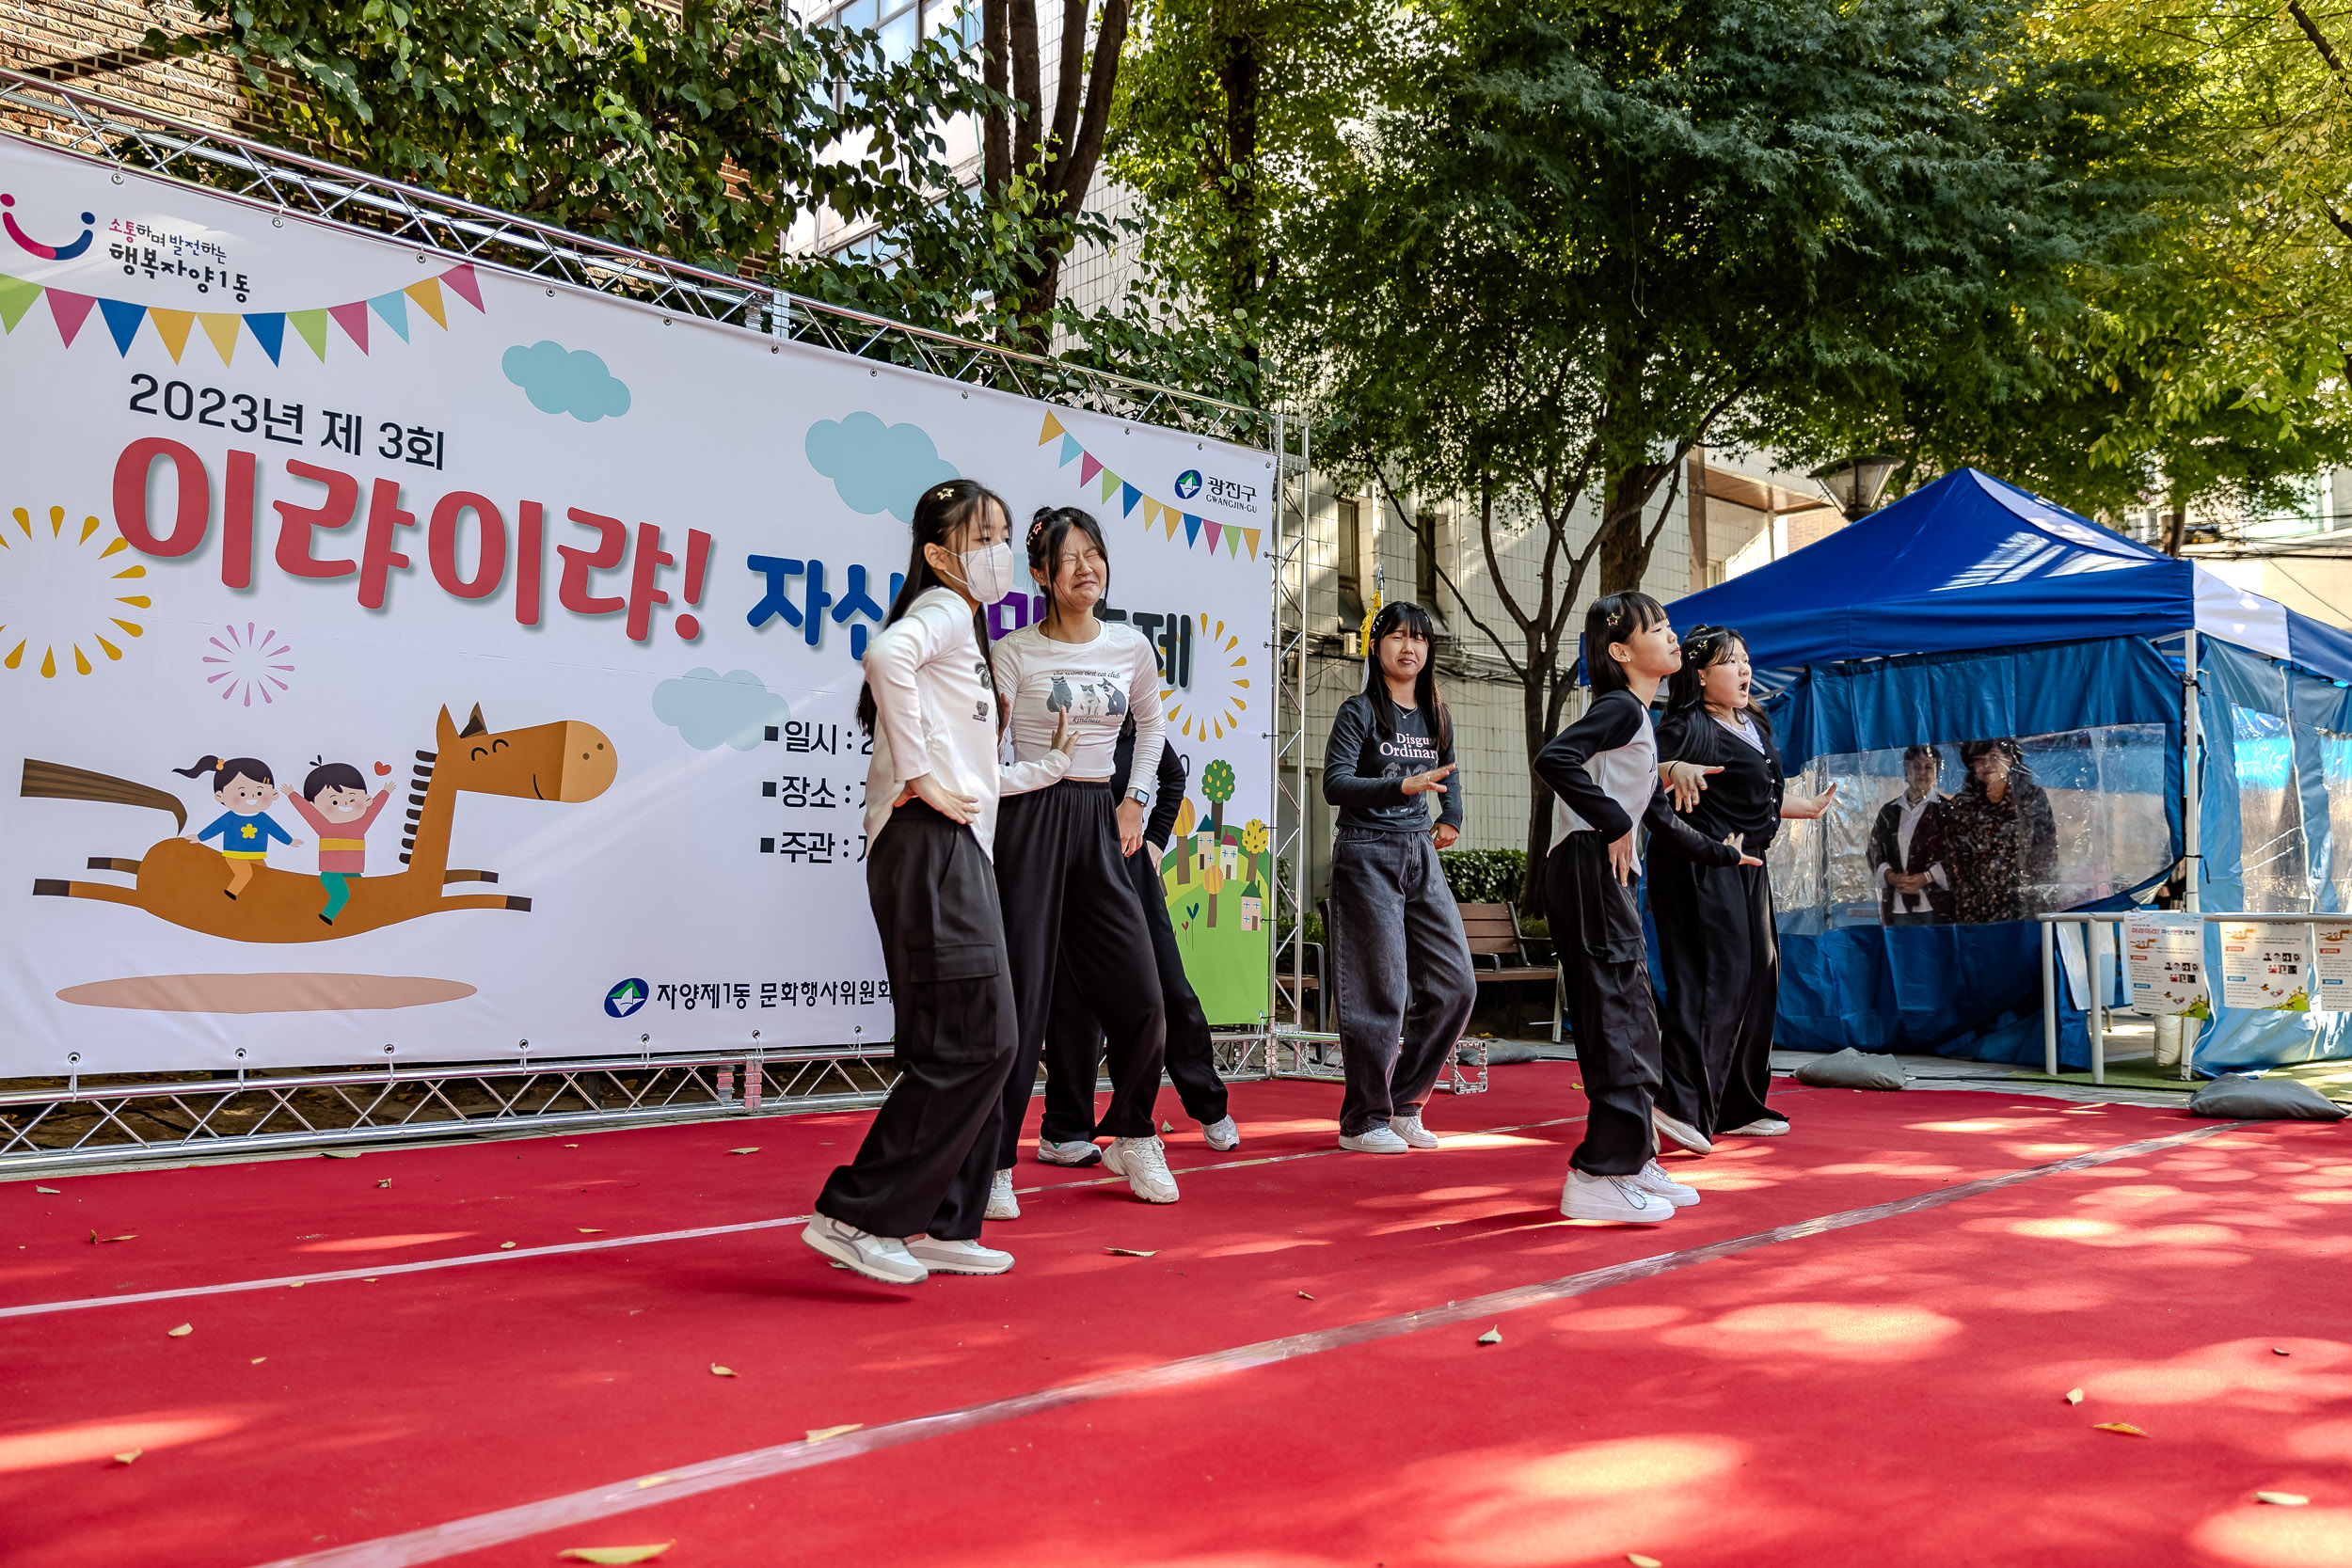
column 1596, row 930
column 1720, row 955
column 1071, row 919
column 1073, row 1037
column 926, row 1163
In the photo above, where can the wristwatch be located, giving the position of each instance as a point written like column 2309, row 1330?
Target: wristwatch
column 1141, row 797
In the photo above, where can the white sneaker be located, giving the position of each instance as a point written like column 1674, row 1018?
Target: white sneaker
column 1618, row 1200
column 1376, row 1139
column 1144, row 1164
column 882, row 1258
column 1076, row 1152
column 1679, row 1133
column 1762, row 1127
column 1654, row 1181
column 1223, row 1135
column 957, row 1257
column 1002, row 1205
column 1412, row 1132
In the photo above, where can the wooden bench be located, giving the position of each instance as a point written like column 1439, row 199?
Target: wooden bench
column 1499, row 952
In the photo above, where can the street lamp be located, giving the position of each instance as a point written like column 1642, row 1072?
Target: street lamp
column 1854, row 485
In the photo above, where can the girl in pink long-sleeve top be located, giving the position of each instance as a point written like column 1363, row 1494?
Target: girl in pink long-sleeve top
column 334, row 800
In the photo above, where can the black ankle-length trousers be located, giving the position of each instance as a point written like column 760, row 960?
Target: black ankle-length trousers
column 1073, row 1037
column 1721, row 957
column 1596, row 930
column 926, row 1161
column 1071, row 919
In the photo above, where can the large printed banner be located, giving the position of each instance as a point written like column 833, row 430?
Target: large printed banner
column 402, row 661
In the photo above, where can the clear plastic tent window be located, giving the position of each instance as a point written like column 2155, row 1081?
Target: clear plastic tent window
column 2002, row 828
column 2270, row 814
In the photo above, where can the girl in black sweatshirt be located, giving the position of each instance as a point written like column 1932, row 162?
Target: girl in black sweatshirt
column 1400, row 961
column 1604, row 773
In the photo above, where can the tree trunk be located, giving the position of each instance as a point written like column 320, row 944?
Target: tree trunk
column 1245, row 273
column 1624, row 544
column 1532, row 901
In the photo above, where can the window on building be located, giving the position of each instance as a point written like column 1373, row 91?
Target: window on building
column 1351, row 553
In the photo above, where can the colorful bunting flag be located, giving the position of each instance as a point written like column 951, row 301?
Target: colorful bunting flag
column 393, row 307
column 1087, row 468
column 352, row 319
column 172, row 327
column 69, row 310
column 427, row 294
column 222, row 330
column 122, row 319
column 16, row 297
column 269, row 330
column 311, row 326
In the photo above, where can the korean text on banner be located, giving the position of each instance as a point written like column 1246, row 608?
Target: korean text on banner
column 2164, row 955
column 2265, row 965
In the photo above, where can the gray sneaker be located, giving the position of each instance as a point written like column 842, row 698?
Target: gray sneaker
column 1221, row 1135
column 1078, row 1151
column 1615, row 1200
column 957, row 1257
column 1002, row 1205
column 1376, row 1139
column 1678, row 1132
column 882, row 1258
column 1412, row 1132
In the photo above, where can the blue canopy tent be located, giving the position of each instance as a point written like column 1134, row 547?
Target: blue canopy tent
column 1972, row 609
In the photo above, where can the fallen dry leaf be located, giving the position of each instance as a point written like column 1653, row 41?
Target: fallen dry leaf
column 2275, row 1350
column 1131, row 1252
column 51, row 1191
column 1637, row 1558
column 2125, row 1428
column 130, row 1237
column 1168, row 1127
column 340, row 1153
column 1304, row 1296
column 2073, row 1396
column 297, row 1285
column 717, row 1371
column 370, row 1280
column 183, row 1330
column 819, row 1435
column 385, row 1183
column 1492, row 1336
column 615, row 1553
column 2283, row 1499
column 592, row 1230
column 504, row 1246
column 571, row 1145
column 125, row 1458
column 754, row 1149
column 643, row 1482
column 259, row 1359
column 93, row 1238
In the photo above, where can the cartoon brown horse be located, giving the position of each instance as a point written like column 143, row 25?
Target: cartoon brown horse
column 183, row 882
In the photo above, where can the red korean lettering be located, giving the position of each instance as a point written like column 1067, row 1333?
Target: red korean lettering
column 378, row 556
column 643, row 595
column 191, row 516
column 489, row 568
column 295, row 522
column 571, row 590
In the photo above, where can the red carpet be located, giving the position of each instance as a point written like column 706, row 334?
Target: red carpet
column 1892, row 1392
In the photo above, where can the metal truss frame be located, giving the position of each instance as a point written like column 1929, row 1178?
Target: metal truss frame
column 138, row 1119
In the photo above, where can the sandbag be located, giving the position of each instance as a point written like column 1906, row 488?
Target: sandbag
column 1854, row 1069
column 2242, row 1097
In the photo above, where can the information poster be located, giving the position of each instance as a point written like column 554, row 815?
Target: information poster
column 2265, row 965
column 2164, row 958
column 406, row 660
column 2331, row 967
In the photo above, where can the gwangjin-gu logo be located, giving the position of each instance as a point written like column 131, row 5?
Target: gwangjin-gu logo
column 625, row 998
column 47, row 252
column 1187, row 484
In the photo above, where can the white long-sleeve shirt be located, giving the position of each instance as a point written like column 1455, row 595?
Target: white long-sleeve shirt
column 935, row 714
column 1098, row 684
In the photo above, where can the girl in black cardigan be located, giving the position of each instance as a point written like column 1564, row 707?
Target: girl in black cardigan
column 1716, row 941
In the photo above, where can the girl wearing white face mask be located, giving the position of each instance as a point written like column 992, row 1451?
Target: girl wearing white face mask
column 1072, row 917
column 912, row 1201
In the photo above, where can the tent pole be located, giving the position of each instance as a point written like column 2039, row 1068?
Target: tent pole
column 2192, row 811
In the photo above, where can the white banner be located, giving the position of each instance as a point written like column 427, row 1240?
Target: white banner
column 549, row 606
column 2331, row 967
column 2265, row 965
column 2164, row 958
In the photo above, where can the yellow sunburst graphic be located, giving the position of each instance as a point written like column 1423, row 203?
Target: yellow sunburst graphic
column 1212, row 710
column 62, row 596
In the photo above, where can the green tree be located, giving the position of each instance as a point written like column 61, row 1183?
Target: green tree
column 1217, row 784
column 700, row 132
column 1585, row 239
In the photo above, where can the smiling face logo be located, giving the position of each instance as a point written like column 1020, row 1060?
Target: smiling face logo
column 47, row 252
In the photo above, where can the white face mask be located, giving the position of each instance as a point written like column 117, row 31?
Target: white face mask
column 987, row 572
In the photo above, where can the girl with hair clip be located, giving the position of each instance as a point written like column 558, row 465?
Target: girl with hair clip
column 1071, row 918
column 1604, row 774
column 1716, row 941
column 1401, row 966
column 911, row 1203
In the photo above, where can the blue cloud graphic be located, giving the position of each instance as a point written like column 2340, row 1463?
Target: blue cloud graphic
column 877, row 467
column 711, row 710
column 566, row 381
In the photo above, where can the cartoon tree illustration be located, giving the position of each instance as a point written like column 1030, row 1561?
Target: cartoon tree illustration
column 1217, row 782
column 1185, row 821
column 1252, row 845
